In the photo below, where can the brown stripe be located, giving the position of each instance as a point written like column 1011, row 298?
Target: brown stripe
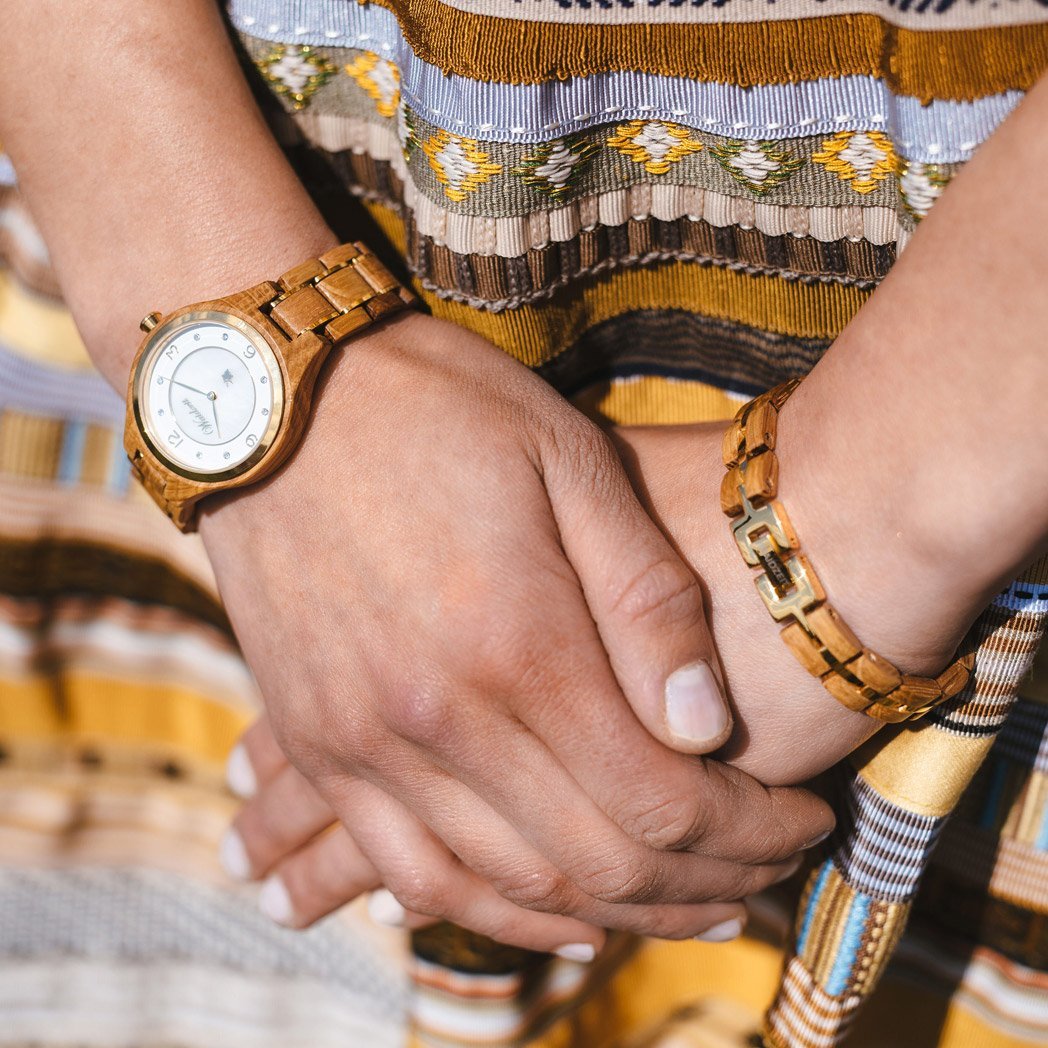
column 682, row 345
column 959, row 64
column 496, row 282
column 47, row 569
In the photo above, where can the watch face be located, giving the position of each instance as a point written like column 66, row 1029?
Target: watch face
column 209, row 394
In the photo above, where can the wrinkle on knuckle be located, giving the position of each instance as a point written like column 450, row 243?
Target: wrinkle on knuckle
column 621, row 881
column 579, row 447
column 663, row 591
column 422, row 891
column 671, row 824
column 546, row 890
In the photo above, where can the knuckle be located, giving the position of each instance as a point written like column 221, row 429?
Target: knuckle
column 664, row 591
column 505, row 659
column 579, row 447
column 421, row 712
column 620, row 882
column 672, row 824
column 546, row 890
column 419, row 890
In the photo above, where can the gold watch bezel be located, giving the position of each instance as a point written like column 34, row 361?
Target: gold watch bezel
column 262, row 342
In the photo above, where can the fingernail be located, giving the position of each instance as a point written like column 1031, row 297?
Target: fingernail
column 723, row 932
column 790, row 870
column 583, row 952
column 822, row 836
column 233, row 856
column 275, row 902
column 695, row 708
column 384, row 909
column 239, row 774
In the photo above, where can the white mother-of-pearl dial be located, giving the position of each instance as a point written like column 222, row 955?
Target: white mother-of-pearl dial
column 209, row 396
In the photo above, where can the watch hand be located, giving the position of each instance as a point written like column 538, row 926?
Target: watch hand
column 214, row 411
column 175, row 382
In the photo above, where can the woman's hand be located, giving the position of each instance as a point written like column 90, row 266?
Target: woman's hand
column 788, row 727
column 444, row 597
column 312, row 865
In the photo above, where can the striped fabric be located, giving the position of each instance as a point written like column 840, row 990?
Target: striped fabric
column 665, row 207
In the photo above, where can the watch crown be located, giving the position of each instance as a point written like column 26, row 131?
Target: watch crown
column 149, row 322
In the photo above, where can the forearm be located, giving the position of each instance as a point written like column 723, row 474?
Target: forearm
column 914, row 453
column 145, row 162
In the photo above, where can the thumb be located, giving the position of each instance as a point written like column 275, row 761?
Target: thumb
column 646, row 602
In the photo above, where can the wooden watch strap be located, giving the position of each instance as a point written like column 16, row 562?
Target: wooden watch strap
column 820, row 639
column 342, row 291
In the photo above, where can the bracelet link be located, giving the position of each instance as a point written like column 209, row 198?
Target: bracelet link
column 822, row 642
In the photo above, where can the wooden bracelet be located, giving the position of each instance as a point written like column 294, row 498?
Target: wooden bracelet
column 822, row 642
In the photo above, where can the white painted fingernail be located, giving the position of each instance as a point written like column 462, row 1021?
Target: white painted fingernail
column 384, row 909
column 239, row 774
column 583, row 952
column 723, row 932
column 696, row 711
column 275, row 902
column 233, row 856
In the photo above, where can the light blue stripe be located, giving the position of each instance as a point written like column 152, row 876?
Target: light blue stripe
column 71, row 457
column 820, row 883
column 851, row 937
column 1041, row 844
column 120, row 467
column 942, row 132
column 30, row 386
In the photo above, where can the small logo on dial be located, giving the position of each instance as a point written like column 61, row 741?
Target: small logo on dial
column 227, row 377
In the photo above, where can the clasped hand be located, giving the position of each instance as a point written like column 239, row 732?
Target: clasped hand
column 463, row 622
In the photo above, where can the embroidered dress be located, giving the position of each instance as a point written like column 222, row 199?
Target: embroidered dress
column 665, row 207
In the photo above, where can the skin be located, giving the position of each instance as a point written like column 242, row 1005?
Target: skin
column 463, row 683
column 516, row 600
column 963, row 515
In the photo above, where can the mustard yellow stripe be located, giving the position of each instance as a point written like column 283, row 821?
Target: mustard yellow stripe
column 924, row 770
column 38, row 327
column 961, row 64
column 29, row 445
column 534, row 334
column 651, row 400
column 658, row 988
column 86, row 708
column 98, row 455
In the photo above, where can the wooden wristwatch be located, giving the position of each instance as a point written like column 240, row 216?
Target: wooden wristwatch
column 220, row 392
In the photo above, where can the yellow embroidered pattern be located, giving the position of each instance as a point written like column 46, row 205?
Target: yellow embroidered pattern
column 379, row 79
column 554, row 168
column 460, row 164
column 295, row 73
column 656, row 144
column 860, row 158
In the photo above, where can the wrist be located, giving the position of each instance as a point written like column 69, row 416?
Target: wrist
column 351, row 400
column 875, row 538
column 236, row 256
